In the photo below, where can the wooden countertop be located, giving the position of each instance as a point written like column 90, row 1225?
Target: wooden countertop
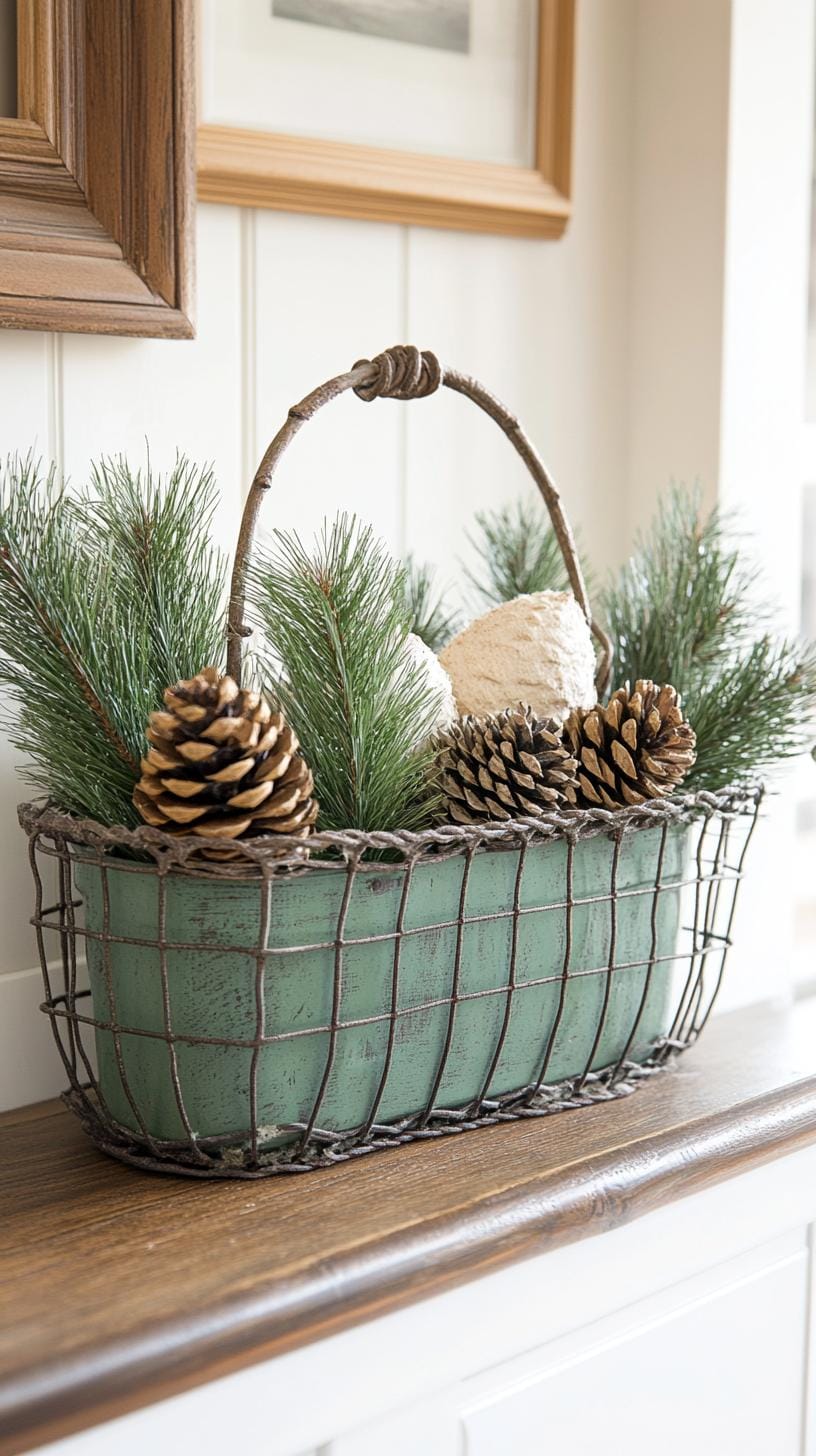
column 118, row 1288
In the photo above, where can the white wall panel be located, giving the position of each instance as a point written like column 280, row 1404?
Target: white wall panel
column 121, row 394
column 578, row 319
column 765, row 313
column 680, row 140
column 327, row 292
column 466, row 302
column 543, row 327
column 27, row 393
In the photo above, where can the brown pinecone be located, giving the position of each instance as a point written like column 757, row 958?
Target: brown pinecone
column 638, row 747
column 505, row 766
column 221, row 763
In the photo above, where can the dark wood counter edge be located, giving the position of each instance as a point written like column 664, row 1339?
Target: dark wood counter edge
column 587, row 1198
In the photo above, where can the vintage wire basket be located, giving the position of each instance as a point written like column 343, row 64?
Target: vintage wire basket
column 281, row 1011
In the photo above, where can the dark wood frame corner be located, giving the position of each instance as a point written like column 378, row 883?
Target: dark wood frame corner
column 97, row 171
column 304, row 174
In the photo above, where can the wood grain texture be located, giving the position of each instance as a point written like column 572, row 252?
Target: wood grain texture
column 342, row 179
column 121, row 1288
column 103, row 150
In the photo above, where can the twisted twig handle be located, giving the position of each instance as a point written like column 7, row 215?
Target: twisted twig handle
column 403, row 373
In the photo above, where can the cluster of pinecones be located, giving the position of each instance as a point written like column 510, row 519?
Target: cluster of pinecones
column 516, row 765
column 221, row 763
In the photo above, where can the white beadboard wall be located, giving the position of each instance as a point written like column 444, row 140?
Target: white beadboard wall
column 574, row 335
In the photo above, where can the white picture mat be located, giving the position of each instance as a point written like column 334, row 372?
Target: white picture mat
column 268, row 74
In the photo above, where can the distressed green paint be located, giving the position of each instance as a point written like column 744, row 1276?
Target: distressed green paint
column 212, row 990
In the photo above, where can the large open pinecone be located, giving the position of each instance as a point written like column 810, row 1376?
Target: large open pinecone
column 638, row 747
column 505, row 766
column 221, row 763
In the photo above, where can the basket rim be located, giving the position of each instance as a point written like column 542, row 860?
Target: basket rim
column 279, row 852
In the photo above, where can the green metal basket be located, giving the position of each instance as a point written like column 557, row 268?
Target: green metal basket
column 276, row 1011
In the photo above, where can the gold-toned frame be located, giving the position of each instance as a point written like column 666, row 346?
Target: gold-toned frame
column 301, row 174
column 97, row 172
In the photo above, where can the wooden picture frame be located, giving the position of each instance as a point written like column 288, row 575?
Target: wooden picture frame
column 300, row 174
column 97, row 171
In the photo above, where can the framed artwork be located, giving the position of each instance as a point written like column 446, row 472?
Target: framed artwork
column 449, row 113
column 97, row 169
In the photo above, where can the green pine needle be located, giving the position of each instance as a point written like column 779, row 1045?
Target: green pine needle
column 159, row 532
column 752, row 713
column 519, row 554
column 335, row 623
column 684, row 599
column 429, row 617
column 684, row 610
column 92, row 617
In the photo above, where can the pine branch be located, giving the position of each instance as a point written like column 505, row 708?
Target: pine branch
column 53, row 631
column 159, row 531
column 53, row 611
column 685, row 610
column 428, row 615
column 753, row 713
column 335, row 625
column 86, row 643
column 686, row 599
column 519, row 554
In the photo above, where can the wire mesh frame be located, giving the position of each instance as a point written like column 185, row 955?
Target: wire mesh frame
column 719, row 832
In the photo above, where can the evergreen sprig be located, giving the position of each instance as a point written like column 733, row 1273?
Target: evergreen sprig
column 519, row 553
column 685, row 609
column 83, row 654
column 752, row 713
column 335, row 622
column 429, row 616
column 159, row 532
column 685, row 599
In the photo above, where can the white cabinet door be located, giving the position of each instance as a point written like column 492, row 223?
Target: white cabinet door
column 720, row 1375
column 429, row 1428
column 683, row 1333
